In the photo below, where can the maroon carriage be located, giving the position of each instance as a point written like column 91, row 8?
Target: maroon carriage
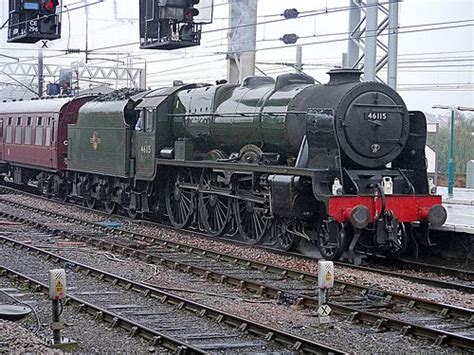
column 33, row 139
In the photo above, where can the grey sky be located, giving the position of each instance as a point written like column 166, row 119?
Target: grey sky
column 417, row 86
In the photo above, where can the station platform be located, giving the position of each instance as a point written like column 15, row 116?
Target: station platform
column 460, row 218
column 461, row 196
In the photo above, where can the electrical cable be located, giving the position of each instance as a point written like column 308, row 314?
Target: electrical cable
column 307, row 14
column 61, row 307
column 38, row 323
column 376, row 35
column 318, row 42
column 314, row 13
column 330, row 41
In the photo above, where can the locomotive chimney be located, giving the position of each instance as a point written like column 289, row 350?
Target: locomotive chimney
column 343, row 76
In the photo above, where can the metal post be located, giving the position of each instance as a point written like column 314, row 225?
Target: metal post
column 325, row 282
column 392, row 44
column 451, row 165
column 345, row 63
column 322, row 297
column 242, row 39
column 40, row 73
column 354, row 32
column 299, row 59
column 86, row 11
column 56, row 330
column 143, row 76
column 370, row 59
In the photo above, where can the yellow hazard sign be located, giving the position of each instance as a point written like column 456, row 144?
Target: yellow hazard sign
column 57, row 284
column 325, row 274
column 59, row 287
column 328, row 276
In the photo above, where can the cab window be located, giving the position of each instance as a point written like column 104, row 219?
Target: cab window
column 149, row 120
column 141, row 121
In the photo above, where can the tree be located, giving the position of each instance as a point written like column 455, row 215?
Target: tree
column 463, row 143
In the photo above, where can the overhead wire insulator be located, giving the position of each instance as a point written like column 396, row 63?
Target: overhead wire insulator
column 290, row 13
column 73, row 50
column 289, row 38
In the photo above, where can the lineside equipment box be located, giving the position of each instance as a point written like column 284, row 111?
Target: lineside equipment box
column 57, row 284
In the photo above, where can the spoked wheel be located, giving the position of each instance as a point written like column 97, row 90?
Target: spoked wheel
column 283, row 239
column 110, row 207
column 251, row 220
column 180, row 201
column 91, row 202
column 214, row 210
column 331, row 240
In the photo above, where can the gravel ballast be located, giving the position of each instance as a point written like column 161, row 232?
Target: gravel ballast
column 91, row 336
column 340, row 333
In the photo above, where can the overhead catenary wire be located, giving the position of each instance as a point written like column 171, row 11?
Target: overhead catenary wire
column 204, row 55
column 457, row 24
column 317, row 12
column 269, row 48
column 470, row 24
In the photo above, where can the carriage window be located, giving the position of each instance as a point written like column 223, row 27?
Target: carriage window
column 18, row 121
column 9, row 121
column 28, row 135
column 18, row 135
column 39, row 135
column 52, row 131
column 28, row 121
column 40, row 121
column 9, row 134
column 47, row 141
column 49, row 121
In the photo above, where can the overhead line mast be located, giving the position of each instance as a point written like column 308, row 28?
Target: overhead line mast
column 364, row 33
column 242, row 39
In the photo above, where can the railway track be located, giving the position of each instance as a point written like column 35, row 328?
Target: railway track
column 464, row 276
column 156, row 338
column 163, row 318
column 379, row 264
column 359, row 303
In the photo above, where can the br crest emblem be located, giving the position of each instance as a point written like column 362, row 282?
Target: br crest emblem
column 95, row 140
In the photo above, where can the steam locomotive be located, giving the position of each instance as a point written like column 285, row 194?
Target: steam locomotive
column 340, row 166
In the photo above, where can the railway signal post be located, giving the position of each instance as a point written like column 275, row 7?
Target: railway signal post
column 57, row 292
column 325, row 282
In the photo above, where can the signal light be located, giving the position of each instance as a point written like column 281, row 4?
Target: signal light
column 190, row 12
column 47, row 25
column 49, row 6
